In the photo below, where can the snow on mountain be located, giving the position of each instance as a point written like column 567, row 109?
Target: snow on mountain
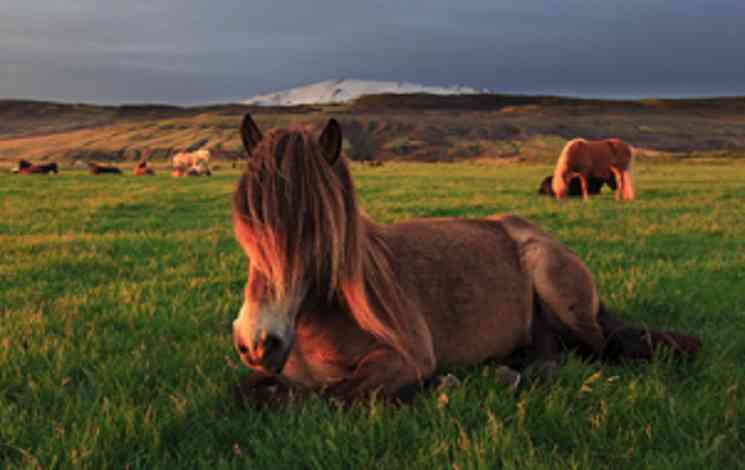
column 339, row 91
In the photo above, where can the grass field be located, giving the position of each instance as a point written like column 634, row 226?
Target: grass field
column 117, row 296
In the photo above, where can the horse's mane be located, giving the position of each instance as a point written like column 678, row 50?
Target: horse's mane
column 297, row 219
column 558, row 184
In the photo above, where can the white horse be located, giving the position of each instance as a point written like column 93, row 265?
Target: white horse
column 191, row 159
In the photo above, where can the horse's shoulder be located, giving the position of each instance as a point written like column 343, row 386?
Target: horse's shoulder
column 516, row 226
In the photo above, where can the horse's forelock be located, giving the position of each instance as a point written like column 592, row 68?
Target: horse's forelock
column 292, row 212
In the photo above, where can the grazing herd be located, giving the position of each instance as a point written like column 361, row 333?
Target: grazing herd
column 583, row 168
column 183, row 164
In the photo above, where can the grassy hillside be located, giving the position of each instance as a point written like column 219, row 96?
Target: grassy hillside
column 117, row 295
column 385, row 127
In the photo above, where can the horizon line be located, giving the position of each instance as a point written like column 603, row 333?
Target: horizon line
column 621, row 97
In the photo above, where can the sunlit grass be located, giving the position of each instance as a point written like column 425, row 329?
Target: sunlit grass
column 117, row 295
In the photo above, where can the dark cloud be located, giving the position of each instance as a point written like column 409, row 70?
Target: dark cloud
column 193, row 51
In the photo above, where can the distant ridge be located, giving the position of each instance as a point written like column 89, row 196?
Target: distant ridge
column 342, row 91
column 381, row 126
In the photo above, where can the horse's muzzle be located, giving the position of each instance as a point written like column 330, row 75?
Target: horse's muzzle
column 268, row 353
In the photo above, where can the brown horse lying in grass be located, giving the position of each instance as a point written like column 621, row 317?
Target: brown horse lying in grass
column 143, row 169
column 25, row 167
column 594, row 186
column 601, row 159
column 337, row 303
column 98, row 169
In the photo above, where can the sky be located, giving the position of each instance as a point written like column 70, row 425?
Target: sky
column 196, row 52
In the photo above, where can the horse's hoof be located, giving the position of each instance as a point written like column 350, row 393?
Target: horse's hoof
column 447, row 382
column 509, row 377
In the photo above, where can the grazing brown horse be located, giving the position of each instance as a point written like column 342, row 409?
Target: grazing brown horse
column 338, row 303
column 98, row 169
column 143, row 169
column 601, row 159
column 594, row 186
column 27, row 168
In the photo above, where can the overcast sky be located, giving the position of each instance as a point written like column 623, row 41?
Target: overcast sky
column 197, row 51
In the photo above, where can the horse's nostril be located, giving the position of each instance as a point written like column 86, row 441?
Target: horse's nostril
column 242, row 349
column 271, row 343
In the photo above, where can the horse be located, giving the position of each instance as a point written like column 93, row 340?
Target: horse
column 602, row 159
column 25, row 167
column 594, row 186
column 336, row 303
column 143, row 169
column 190, row 159
column 98, row 169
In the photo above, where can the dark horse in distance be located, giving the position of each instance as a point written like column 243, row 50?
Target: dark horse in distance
column 98, row 169
column 25, row 167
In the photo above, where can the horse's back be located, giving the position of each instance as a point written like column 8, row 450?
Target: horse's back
column 477, row 281
column 609, row 152
column 466, row 278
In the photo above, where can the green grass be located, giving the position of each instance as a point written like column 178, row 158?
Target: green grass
column 117, row 295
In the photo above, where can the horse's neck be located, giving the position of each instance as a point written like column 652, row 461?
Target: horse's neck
column 371, row 235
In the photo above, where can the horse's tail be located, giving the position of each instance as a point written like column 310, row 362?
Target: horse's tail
column 628, row 187
column 623, row 341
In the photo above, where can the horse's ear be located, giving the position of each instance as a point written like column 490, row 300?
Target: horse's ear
column 330, row 141
column 250, row 133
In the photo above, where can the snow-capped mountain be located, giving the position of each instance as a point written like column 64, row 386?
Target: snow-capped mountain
column 339, row 91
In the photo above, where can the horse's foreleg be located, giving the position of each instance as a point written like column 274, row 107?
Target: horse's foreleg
column 260, row 390
column 583, row 185
column 385, row 371
column 620, row 182
column 628, row 186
